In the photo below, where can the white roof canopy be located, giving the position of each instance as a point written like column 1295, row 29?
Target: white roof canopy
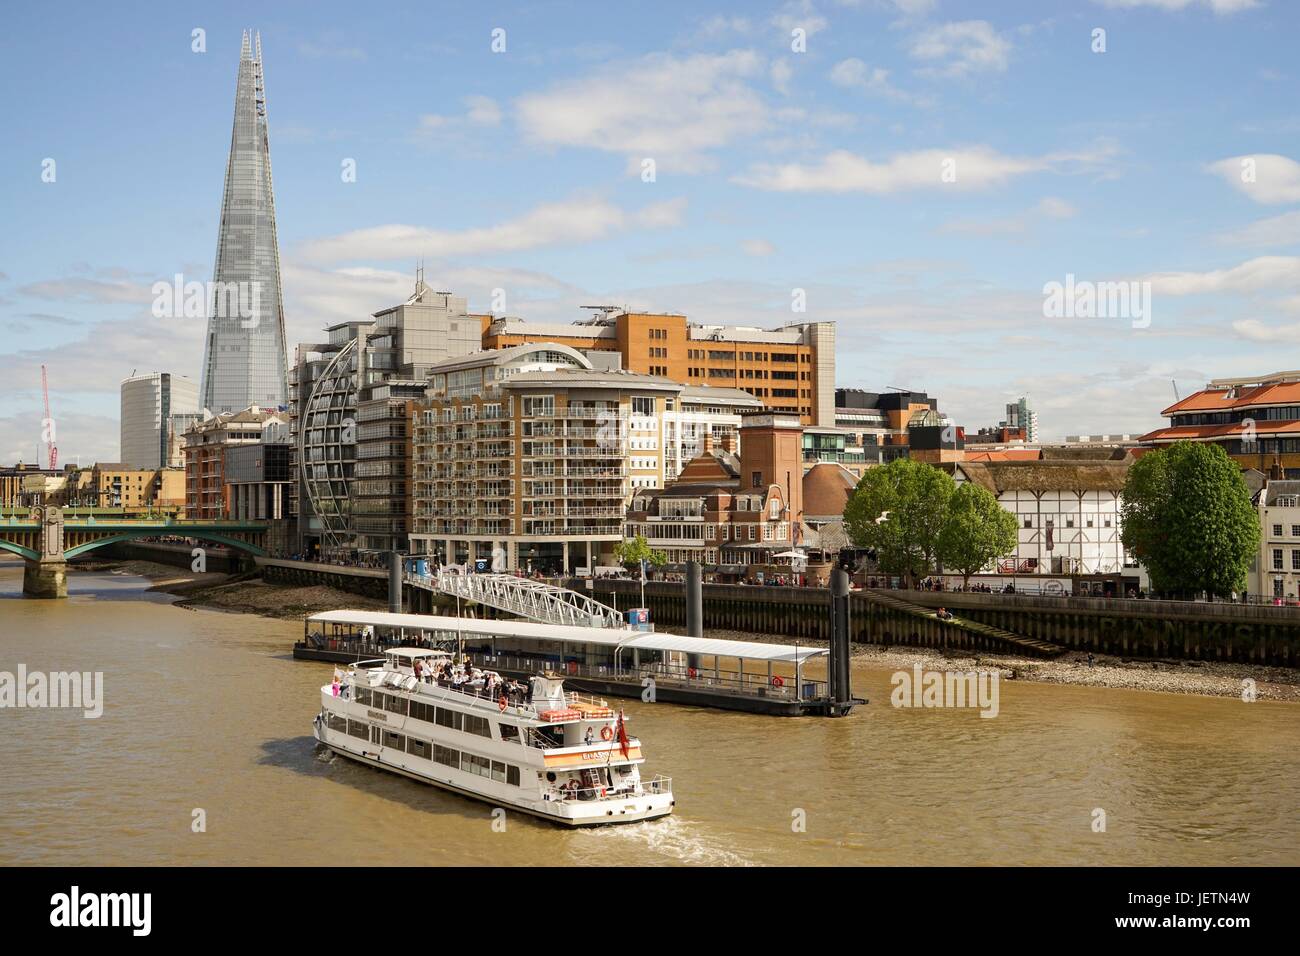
column 619, row 638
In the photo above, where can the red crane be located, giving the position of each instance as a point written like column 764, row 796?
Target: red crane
column 49, row 422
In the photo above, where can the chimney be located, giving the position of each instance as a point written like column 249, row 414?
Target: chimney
column 1275, row 472
column 729, row 442
column 708, row 442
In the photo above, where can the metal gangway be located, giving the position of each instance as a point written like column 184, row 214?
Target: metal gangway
column 523, row 597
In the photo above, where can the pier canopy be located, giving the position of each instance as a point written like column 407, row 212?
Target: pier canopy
column 589, row 643
column 719, row 647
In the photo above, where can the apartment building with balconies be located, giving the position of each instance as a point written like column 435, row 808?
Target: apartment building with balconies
column 527, row 457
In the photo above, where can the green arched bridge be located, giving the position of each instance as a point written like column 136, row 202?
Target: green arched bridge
column 47, row 539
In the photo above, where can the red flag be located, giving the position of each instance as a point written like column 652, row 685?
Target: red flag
column 621, row 732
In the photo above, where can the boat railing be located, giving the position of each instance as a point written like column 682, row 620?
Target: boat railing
column 660, row 784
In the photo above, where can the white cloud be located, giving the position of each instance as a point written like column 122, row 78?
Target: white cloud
column 720, row 25
column 962, row 47
column 483, row 111
column 757, row 247
column 841, row 171
column 1254, row 275
column 1283, row 230
column 1054, row 207
column 854, row 74
column 1256, row 331
column 798, row 14
column 1218, row 6
column 561, row 223
column 330, row 47
column 1264, row 177
column 781, row 73
column 672, row 109
column 79, row 289
column 479, row 111
column 1050, row 207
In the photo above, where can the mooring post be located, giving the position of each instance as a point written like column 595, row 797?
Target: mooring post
column 694, row 607
column 838, row 665
column 394, row 582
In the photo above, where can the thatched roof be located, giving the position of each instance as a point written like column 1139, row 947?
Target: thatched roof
column 1036, row 476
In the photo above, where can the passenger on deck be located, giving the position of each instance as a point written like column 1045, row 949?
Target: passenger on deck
column 418, row 668
column 943, row 614
column 588, row 737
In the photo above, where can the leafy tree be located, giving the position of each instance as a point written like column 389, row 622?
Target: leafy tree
column 898, row 510
column 978, row 531
column 632, row 551
column 1189, row 519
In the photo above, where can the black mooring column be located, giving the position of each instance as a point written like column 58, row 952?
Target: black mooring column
column 694, row 599
column 694, row 606
column 839, row 659
column 394, row 582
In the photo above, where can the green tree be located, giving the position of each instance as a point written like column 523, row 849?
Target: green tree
column 632, row 551
column 1189, row 519
column 978, row 531
column 898, row 510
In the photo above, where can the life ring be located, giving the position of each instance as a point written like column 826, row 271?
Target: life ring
column 691, row 672
column 778, row 681
column 501, row 703
column 606, row 733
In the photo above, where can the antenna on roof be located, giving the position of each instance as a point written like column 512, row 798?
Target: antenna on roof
column 1174, row 383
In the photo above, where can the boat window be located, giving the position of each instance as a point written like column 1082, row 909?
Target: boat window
column 418, row 748
column 421, row 711
column 509, row 733
column 376, row 735
column 498, row 771
column 379, row 700
column 446, row 755
column 512, row 775
column 478, row 725
column 363, row 695
column 337, row 722
column 473, row 763
column 394, row 704
column 396, row 741
column 358, row 729
column 449, row 718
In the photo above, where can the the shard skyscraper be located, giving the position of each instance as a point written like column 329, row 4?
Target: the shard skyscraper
column 244, row 359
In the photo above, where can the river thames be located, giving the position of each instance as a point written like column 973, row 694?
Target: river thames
column 205, row 710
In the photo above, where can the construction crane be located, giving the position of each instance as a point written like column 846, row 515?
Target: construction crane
column 1174, row 382
column 49, row 422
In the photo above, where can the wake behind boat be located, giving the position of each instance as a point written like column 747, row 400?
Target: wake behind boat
column 532, row 747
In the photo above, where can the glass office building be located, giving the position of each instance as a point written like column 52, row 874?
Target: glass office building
column 244, row 353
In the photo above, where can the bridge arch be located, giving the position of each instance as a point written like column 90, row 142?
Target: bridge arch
column 19, row 550
column 213, row 536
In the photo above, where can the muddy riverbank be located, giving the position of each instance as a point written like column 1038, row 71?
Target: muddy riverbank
column 1211, row 679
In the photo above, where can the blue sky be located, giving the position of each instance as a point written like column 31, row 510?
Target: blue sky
column 775, row 170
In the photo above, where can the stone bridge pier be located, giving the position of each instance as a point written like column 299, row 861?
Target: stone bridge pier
column 46, row 575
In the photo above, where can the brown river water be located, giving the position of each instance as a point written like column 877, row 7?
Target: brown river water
column 208, row 710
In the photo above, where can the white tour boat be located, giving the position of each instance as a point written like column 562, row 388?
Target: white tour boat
column 531, row 747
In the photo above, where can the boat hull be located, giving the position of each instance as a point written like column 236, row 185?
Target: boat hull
column 594, row 813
